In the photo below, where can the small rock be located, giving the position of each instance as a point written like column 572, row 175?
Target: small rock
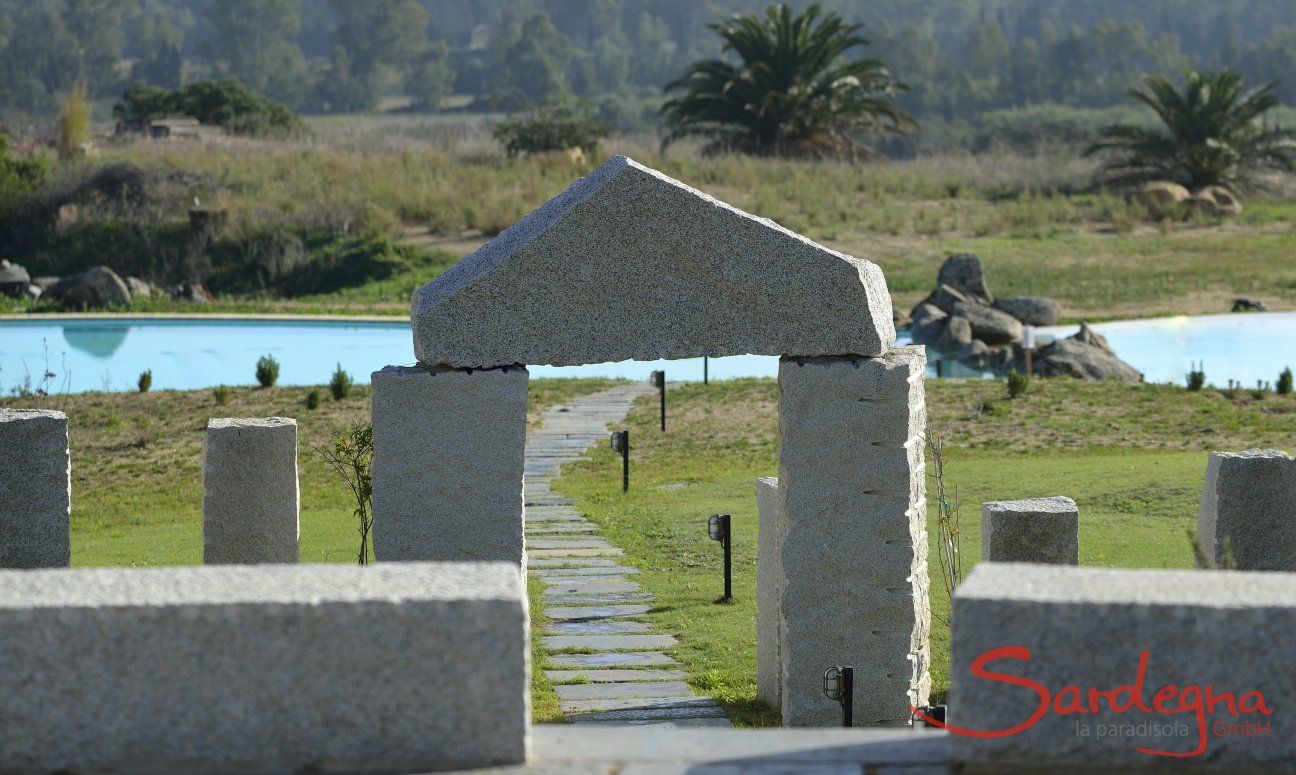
column 928, row 323
column 990, row 325
column 945, row 297
column 1092, row 338
column 1249, row 305
column 96, row 287
column 139, row 287
column 1031, row 310
column 191, row 292
column 964, row 272
column 976, row 354
column 1216, row 201
column 957, row 334
column 44, row 281
column 1161, row 198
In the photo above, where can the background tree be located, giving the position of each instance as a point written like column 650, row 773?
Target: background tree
column 253, row 42
column 793, row 94
column 1211, row 134
column 431, row 80
column 374, row 39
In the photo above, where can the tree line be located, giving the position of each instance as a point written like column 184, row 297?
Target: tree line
column 958, row 58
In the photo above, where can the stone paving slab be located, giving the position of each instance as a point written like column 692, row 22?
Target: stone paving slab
column 588, row 612
column 590, row 585
column 649, row 714
column 620, row 597
column 611, row 659
column 687, row 699
column 609, row 642
column 616, row 691
column 568, row 564
column 603, row 627
column 605, row 570
column 602, row 676
column 562, row 527
column 569, row 543
column 610, row 551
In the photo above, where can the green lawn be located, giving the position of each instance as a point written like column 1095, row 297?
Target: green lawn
column 1132, row 457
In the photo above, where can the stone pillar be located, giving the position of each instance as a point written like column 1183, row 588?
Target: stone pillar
column 855, row 552
column 770, row 532
column 35, row 489
column 250, row 493
column 1249, row 504
column 448, row 457
column 1040, row 530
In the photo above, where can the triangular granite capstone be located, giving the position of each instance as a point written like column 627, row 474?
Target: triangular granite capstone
column 628, row 263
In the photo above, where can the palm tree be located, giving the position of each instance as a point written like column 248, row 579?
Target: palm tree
column 792, row 94
column 1212, row 135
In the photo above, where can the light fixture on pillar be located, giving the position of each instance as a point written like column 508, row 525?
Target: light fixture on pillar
column 658, row 380
column 718, row 530
column 621, row 443
column 839, row 686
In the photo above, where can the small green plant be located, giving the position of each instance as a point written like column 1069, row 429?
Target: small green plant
column 267, row 371
column 221, row 394
column 1285, row 382
column 352, row 457
column 950, row 536
column 1261, row 389
column 145, row 380
column 1017, row 383
column 340, row 384
column 1197, row 377
column 1230, row 392
column 313, row 400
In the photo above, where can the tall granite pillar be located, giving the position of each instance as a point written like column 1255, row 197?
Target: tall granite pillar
column 854, row 555
column 251, row 498
column 771, row 530
column 35, row 489
column 1247, row 507
column 448, row 457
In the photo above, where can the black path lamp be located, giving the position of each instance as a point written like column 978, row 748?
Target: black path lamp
column 718, row 530
column 839, row 686
column 704, row 370
column 621, row 443
column 658, row 380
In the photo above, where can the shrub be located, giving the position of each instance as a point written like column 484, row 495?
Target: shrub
column 267, row 371
column 351, row 456
column 19, row 176
column 550, row 128
column 1197, row 377
column 313, row 400
column 1017, row 383
column 340, row 384
column 224, row 103
column 1285, row 382
column 145, row 380
column 221, row 393
column 73, row 128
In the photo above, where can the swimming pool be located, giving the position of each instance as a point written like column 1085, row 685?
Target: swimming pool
column 87, row 353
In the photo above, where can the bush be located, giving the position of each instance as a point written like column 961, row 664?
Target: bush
column 221, row 394
column 18, row 177
column 145, row 380
column 313, row 400
column 550, row 128
column 1285, row 382
column 267, row 371
column 225, row 103
column 1197, row 377
column 340, row 384
column 1017, row 383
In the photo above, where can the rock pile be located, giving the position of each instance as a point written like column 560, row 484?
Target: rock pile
column 963, row 320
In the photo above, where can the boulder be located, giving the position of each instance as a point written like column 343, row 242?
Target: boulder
column 990, row 325
column 1084, row 356
column 1161, row 197
column 14, row 279
column 957, row 334
column 976, row 354
column 928, row 323
column 964, row 272
column 139, row 287
column 1031, row 310
column 191, row 292
column 1249, row 305
column 44, row 281
column 96, row 287
column 1216, row 201
column 945, row 297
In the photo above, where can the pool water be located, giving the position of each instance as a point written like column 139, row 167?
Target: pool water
column 186, row 354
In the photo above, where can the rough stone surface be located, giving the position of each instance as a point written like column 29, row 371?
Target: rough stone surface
column 929, row 322
column 1248, row 502
column 1031, row 310
column 250, row 493
column 1161, row 197
column 628, row 263
column 945, row 297
column 610, row 659
column 964, row 272
column 1088, row 627
column 1086, row 355
column 851, row 486
column 96, row 287
column 268, row 668
column 770, row 533
column 957, row 334
column 1043, row 530
column 35, row 489
column 448, row 462
column 989, row 324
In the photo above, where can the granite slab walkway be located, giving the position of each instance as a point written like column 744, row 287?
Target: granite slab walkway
column 607, row 664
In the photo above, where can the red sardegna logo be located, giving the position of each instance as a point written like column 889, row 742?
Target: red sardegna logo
column 1169, row 700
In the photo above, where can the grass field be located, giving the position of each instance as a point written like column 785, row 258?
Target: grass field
column 1133, row 458
column 1035, row 221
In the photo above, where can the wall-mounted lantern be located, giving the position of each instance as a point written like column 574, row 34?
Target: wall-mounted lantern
column 839, row 686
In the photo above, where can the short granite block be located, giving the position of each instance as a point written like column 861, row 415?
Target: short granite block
column 35, row 489
column 854, row 555
column 447, row 465
column 1201, row 634
column 266, row 668
column 770, row 533
column 1248, row 509
column 250, row 492
column 1043, row 530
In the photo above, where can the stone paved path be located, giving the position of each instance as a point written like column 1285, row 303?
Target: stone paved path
column 590, row 593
